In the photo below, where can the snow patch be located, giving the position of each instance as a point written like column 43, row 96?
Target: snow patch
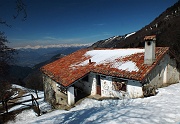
column 110, row 56
column 27, row 97
column 111, row 38
column 128, row 66
column 20, row 87
column 129, row 34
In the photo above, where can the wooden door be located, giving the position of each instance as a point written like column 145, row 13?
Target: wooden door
column 98, row 88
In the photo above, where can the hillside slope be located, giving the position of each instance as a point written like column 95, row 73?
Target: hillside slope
column 166, row 27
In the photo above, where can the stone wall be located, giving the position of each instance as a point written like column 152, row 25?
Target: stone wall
column 53, row 93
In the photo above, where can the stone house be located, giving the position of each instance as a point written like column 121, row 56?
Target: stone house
column 109, row 73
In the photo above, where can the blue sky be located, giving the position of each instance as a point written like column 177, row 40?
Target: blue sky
column 77, row 21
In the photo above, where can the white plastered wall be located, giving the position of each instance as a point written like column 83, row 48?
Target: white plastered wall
column 164, row 73
column 106, row 86
column 134, row 88
column 92, row 78
column 71, row 98
column 172, row 72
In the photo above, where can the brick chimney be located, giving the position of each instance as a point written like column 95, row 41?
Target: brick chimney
column 150, row 44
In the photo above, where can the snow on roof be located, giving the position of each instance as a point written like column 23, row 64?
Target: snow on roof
column 109, row 57
column 128, row 66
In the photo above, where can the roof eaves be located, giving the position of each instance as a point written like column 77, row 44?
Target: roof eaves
column 171, row 53
column 52, row 78
column 77, row 80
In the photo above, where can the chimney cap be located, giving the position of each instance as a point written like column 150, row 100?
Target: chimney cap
column 151, row 37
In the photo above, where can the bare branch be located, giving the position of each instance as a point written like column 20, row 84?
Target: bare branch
column 20, row 8
column 4, row 23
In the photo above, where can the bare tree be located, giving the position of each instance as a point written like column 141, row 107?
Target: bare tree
column 6, row 53
column 6, row 56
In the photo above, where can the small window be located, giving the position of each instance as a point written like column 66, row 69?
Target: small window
column 119, row 84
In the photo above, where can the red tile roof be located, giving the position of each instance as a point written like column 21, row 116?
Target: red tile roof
column 63, row 71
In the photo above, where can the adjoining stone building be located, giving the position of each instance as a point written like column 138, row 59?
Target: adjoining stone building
column 109, row 73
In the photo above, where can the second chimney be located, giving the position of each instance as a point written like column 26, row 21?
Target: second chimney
column 150, row 44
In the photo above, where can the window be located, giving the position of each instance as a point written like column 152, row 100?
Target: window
column 119, row 84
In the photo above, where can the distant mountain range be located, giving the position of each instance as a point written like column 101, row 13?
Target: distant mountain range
column 30, row 56
column 26, row 69
column 52, row 46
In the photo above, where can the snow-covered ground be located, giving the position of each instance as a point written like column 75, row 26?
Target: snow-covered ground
column 43, row 105
column 164, row 108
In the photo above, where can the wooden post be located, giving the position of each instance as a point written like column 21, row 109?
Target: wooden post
column 36, row 107
column 38, row 110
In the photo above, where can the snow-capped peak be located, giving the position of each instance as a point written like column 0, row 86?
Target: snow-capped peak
column 111, row 38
